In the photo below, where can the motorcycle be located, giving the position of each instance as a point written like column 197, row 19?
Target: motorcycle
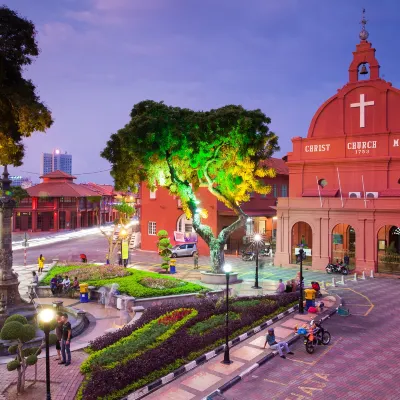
column 266, row 252
column 337, row 269
column 318, row 336
column 248, row 255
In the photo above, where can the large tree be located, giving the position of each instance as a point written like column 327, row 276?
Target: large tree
column 21, row 111
column 222, row 150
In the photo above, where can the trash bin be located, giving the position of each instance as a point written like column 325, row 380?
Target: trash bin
column 84, row 292
column 172, row 266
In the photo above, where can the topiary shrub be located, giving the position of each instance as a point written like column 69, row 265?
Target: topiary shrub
column 13, row 365
column 52, row 339
column 16, row 328
column 164, row 245
column 16, row 317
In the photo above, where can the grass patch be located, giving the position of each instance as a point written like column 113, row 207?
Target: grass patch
column 129, row 284
column 213, row 322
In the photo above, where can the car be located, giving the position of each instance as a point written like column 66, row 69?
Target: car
column 181, row 250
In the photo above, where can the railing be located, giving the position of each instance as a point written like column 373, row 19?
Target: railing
column 389, row 263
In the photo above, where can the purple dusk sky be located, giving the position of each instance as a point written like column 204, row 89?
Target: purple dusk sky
column 100, row 57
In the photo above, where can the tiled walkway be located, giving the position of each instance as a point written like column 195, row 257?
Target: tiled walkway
column 206, row 378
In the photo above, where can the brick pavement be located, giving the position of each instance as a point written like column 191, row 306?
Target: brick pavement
column 65, row 381
column 206, row 378
column 360, row 363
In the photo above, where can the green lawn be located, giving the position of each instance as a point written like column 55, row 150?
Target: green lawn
column 132, row 282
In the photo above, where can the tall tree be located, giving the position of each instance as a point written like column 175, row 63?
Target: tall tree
column 21, row 111
column 222, row 150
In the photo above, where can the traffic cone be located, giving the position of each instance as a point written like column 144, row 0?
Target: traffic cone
column 333, row 282
column 342, row 282
column 372, row 274
column 323, row 285
column 363, row 275
column 355, row 277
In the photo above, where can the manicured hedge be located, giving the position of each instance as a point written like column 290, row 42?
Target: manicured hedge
column 183, row 346
column 130, row 284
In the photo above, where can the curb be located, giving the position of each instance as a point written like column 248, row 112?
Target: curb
column 144, row 391
column 218, row 392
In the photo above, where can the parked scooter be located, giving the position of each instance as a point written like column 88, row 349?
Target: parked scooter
column 265, row 252
column 248, row 255
column 338, row 268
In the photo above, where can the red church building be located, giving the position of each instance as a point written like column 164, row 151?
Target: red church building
column 159, row 210
column 344, row 177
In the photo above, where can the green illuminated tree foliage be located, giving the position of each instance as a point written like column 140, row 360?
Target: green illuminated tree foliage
column 21, row 111
column 222, row 150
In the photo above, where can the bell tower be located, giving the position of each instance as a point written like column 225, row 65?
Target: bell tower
column 363, row 56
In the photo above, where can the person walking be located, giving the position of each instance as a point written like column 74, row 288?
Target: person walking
column 59, row 328
column 196, row 260
column 41, row 261
column 66, row 341
column 274, row 345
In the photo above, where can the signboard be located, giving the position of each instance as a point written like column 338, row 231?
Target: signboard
column 125, row 250
column 307, row 252
column 185, row 237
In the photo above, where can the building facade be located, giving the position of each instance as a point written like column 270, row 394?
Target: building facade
column 21, row 181
column 56, row 161
column 345, row 176
column 160, row 210
column 58, row 203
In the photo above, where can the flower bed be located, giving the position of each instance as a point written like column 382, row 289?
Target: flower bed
column 188, row 336
column 128, row 280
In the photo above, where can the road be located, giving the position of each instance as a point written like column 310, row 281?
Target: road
column 93, row 245
column 360, row 363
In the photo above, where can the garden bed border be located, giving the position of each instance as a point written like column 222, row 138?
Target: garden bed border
column 144, row 391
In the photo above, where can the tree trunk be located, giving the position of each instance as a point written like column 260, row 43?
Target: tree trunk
column 217, row 256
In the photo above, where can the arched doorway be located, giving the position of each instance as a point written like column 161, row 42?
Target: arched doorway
column 343, row 243
column 301, row 235
column 389, row 249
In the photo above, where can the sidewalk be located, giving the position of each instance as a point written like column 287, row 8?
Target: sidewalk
column 208, row 377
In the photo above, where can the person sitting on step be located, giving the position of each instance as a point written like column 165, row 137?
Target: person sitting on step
column 274, row 345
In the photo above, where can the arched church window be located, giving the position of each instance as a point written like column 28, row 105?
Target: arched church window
column 184, row 224
column 322, row 182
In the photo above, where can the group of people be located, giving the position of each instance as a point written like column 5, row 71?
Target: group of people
column 59, row 285
column 64, row 336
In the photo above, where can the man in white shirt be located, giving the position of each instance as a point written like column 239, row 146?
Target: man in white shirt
column 281, row 287
column 66, row 283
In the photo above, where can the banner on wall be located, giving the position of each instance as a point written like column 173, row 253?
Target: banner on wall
column 125, row 250
column 185, row 237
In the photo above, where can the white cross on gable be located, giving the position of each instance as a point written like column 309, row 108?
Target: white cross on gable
column 362, row 104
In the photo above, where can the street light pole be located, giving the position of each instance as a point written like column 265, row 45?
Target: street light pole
column 257, row 240
column 301, row 306
column 46, row 335
column 46, row 316
column 227, row 360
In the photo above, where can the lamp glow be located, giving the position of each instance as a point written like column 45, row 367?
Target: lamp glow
column 123, row 232
column 274, row 218
column 249, row 219
column 47, row 315
column 257, row 237
column 227, row 268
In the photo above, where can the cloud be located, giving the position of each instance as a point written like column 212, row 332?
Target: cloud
column 112, row 12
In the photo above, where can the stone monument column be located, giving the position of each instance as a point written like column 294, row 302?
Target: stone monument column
column 8, row 278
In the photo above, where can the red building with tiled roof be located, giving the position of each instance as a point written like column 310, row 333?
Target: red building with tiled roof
column 159, row 210
column 58, row 203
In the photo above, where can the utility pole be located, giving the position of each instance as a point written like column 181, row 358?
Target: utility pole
column 26, row 245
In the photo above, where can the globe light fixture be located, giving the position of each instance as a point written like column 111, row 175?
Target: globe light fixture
column 46, row 315
column 227, row 268
column 257, row 237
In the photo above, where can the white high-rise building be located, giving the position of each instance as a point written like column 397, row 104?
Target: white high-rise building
column 56, row 161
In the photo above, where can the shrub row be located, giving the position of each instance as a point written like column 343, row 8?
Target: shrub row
column 130, row 284
column 177, row 349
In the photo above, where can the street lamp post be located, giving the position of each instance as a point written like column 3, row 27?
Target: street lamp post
column 46, row 316
column 301, row 306
column 257, row 240
column 227, row 360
